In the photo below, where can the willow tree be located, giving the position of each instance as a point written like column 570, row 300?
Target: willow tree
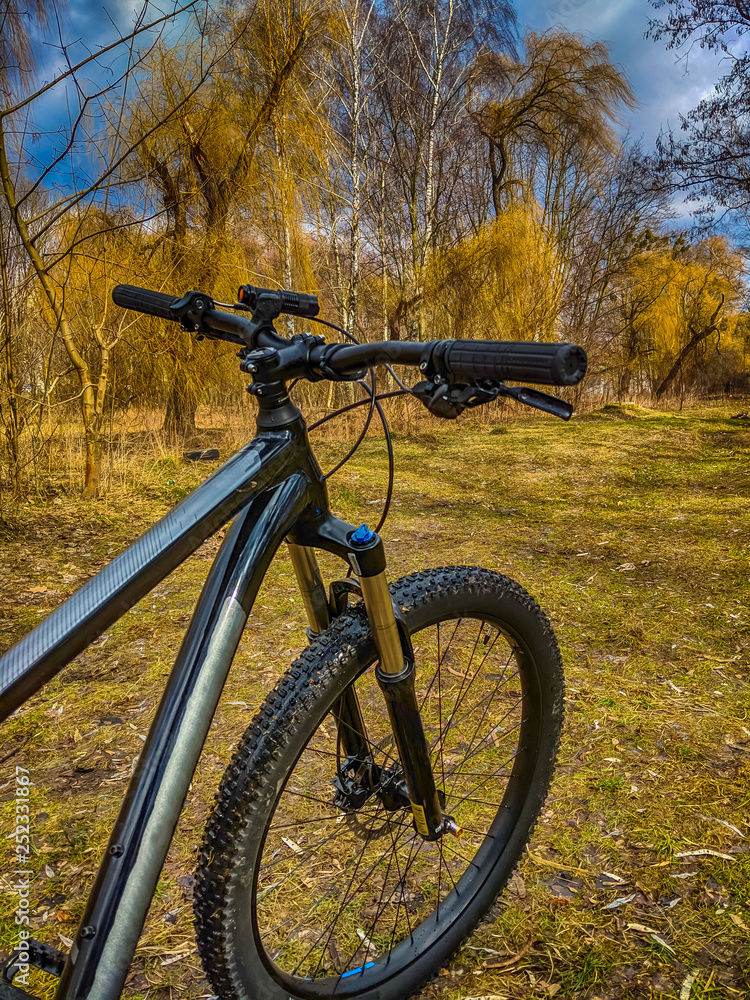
column 698, row 311
column 90, row 132
column 564, row 94
column 496, row 283
column 687, row 300
column 201, row 167
column 549, row 121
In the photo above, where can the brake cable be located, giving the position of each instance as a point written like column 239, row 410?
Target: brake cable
column 374, row 401
column 368, row 421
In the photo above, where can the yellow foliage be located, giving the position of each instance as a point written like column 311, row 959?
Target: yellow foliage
column 689, row 291
column 499, row 284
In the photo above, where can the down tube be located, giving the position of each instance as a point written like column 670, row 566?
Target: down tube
column 109, row 932
column 266, row 460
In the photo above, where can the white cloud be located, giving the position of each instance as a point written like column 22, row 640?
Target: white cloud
column 666, row 83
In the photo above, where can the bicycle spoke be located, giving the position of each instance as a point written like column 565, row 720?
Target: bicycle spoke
column 464, row 691
column 480, row 724
column 343, row 903
column 392, row 878
column 314, row 906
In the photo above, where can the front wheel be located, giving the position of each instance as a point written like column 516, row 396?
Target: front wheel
column 313, row 880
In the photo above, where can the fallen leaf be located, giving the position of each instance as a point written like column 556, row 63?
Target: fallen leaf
column 626, row 566
column 736, row 920
column 509, row 961
column 176, row 958
column 723, row 822
column 607, row 880
column 484, row 996
column 366, row 941
column 687, row 985
column 291, row 845
column 659, row 938
column 702, row 852
column 518, row 886
column 564, row 887
column 620, row 902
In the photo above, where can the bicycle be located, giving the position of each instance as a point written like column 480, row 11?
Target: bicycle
column 350, row 850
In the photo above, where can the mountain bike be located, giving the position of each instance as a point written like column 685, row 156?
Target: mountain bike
column 382, row 795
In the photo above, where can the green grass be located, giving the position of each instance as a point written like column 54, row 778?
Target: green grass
column 631, row 527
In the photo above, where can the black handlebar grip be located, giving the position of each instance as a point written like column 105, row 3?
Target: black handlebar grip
column 145, row 301
column 526, row 361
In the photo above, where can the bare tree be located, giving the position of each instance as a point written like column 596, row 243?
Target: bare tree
column 430, row 51
column 91, row 135
column 708, row 157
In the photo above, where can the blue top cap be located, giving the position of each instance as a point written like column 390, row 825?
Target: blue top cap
column 362, row 535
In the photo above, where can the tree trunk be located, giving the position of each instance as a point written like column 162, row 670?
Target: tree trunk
column 93, row 468
column 179, row 420
column 695, row 339
column 10, row 407
column 497, row 171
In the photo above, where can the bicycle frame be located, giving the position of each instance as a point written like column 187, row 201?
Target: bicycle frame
column 273, row 487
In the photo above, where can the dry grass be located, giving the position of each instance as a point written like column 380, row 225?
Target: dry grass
column 631, row 527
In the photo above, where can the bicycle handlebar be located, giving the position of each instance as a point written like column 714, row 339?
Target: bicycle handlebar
column 552, row 364
column 472, row 360
column 452, row 360
column 145, row 301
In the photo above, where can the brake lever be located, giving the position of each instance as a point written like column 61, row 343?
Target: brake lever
column 449, row 401
column 539, row 400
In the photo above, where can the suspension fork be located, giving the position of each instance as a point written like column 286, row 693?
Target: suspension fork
column 394, row 673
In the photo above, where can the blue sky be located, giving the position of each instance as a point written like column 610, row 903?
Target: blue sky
column 665, row 82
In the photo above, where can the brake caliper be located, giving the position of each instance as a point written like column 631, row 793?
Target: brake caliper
column 356, row 781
